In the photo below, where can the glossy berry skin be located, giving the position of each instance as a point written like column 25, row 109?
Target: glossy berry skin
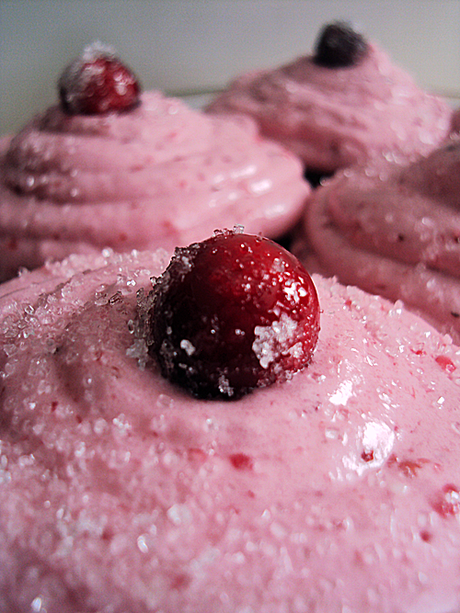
column 339, row 46
column 98, row 83
column 231, row 314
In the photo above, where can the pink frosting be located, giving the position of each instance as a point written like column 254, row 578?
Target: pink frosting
column 335, row 491
column 159, row 176
column 332, row 117
column 394, row 230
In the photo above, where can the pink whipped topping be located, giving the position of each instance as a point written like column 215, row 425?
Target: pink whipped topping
column 333, row 117
column 394, row 230
column 160, row 175
column 335, row 491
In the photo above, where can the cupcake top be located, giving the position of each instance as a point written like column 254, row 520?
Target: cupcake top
column 344, row 102
column 91, row 173
column 394, row 230
column 338, row 487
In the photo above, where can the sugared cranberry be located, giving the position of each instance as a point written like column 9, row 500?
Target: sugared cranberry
column 232, row 313
column 98, row 83
column 338, row 46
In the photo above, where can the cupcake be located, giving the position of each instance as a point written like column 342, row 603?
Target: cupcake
column 393, row 229
column 332, row 485
column 345, row 102
column 112, row 167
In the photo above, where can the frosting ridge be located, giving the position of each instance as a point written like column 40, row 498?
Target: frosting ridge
column 158, row 176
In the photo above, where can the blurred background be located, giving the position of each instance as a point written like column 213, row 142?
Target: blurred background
column 193, row 46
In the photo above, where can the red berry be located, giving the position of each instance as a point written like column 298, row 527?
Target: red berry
column 233, row 313
column 97, row 83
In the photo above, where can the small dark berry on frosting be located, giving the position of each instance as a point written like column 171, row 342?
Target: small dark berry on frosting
column 232, row 313
column 339, row 46
column 98, row 82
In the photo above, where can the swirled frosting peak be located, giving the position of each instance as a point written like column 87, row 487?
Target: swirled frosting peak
column 158, row 175
column 345, row 102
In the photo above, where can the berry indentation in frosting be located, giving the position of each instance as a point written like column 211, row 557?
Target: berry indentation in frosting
column 339, row 46
column 98, row 82
column 232, row 313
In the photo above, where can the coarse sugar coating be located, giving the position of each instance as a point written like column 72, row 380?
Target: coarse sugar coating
column 337, row 490
column 157, row 175
column 334, row 115
column 393, row 229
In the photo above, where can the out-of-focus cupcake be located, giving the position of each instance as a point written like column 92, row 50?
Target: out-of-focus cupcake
column 336, row 489
column 393, row 230
column 112, row 167
column 345, row 102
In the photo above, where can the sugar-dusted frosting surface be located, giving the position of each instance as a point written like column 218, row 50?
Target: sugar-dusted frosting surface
column 332, row 117
column 335, row 491
column 394, row 230
column 160, row 175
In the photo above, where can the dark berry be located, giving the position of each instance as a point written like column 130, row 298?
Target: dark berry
column 232, row 313
column 338, row 46
column 98, row 83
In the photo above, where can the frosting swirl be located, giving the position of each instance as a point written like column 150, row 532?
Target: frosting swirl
column 394, row 230
column 159, row 175
column 333, row 117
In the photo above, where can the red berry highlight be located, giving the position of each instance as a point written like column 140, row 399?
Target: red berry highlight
column 231, row 314
column 97, row 83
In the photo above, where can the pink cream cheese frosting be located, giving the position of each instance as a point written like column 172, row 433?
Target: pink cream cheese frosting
column 333, row 117
column 160, row 175
column 393, row 230
column 338, row 490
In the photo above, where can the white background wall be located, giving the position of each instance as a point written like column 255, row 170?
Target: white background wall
column 191, row 45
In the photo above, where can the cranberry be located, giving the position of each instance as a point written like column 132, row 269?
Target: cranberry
column 338, row 46
column 97, row 83
column 232, row 313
